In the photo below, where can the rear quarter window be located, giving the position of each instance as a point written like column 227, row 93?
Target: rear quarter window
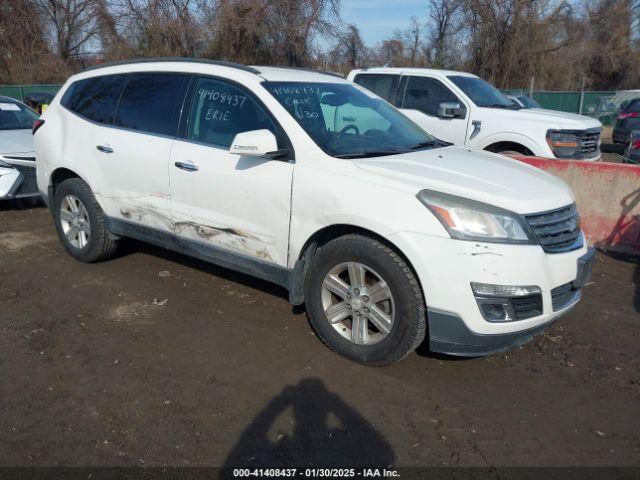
column 95, row 98
column 385, row 86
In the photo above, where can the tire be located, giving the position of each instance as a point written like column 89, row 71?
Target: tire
column 99, row 244
column 405, row 308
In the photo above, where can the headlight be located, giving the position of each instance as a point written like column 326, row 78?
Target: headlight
column 470, row 220
column 563, row 144
column 5, row 164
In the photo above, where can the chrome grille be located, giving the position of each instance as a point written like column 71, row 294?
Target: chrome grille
column 588, row 142
column 557, row 230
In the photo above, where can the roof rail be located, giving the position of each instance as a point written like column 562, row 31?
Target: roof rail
column 300, row 69
column 221, row 63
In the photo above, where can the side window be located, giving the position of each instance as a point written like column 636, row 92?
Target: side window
column 426, row 94
column 95, row 98
column 220, row 110
column 149, row 102
column 385, row 86
column 633, row 106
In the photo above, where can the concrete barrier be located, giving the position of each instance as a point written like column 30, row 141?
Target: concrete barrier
column 607, row 196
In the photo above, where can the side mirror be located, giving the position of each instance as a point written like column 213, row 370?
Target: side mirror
column 255, row 143
column 451, row 110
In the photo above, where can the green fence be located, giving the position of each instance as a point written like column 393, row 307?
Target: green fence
column 601, row 105
column 20, row 91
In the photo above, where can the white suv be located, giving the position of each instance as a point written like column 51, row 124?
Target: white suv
column 314, row 183
column 465, row 110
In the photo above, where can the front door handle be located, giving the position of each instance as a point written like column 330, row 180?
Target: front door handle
column 104, row 149
column 189, row 167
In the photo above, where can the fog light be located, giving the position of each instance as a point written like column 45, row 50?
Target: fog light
column 493, row 312
column 507, row 303
column 488, row 290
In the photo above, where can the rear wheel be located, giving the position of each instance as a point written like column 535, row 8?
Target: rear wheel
column 364, row 301
column 80, row 222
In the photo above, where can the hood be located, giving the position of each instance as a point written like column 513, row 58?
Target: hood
column 552, row 118
column 481, row 176
column 16, row 141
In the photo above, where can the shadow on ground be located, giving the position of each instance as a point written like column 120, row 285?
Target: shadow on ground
column 306, row 425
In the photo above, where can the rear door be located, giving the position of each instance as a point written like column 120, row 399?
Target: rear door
column 420, row 100
column 223, row 202
column 133, row 155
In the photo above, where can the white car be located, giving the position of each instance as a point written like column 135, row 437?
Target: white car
column 465, row 110
column 523, row 101
column 17, row 158
column 314, row 183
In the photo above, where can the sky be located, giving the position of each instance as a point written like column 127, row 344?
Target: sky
column 377, row 19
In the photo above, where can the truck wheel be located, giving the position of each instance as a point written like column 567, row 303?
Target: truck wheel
column 80, row 222
column 364, row 301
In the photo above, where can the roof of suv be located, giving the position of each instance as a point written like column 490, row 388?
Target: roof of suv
column 399, row 70
column 267, row 73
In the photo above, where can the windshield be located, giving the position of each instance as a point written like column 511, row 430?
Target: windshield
column 346, row 121
column 482, row 93
column 15, row 116
column 528, row 102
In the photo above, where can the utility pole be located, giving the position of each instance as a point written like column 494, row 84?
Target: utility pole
column 581, row 97
column 531, row 86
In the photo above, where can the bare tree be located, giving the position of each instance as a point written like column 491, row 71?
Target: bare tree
column 72, row 23
column 413, row 41
column 349, row 52
column 444, row 24
column 279, row 32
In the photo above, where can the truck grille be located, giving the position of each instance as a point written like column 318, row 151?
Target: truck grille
column 557, row 230
column 589, row 142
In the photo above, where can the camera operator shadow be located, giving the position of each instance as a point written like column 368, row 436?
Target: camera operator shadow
column 308, row 426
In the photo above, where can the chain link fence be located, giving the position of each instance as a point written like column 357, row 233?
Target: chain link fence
column 601, row 105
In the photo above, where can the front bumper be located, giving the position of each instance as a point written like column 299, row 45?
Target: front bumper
column 18, row 182
column 446, row 268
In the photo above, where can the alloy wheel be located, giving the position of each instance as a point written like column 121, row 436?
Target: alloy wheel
column 358, row 303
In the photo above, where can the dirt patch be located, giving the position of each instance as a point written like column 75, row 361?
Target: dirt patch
column 97, row 369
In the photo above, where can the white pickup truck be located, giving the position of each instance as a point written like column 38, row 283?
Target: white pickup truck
column 465, row 110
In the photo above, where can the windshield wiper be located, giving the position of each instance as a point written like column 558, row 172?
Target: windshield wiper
column 430, row 143
column 373, row 153
column 506, row 107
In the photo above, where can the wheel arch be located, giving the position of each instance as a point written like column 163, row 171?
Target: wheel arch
column 505, row 146
column 58, row 176
column 516, row 140
column 321, row 237
column 61, row 174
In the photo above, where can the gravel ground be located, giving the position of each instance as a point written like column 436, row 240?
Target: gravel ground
column 157, row 359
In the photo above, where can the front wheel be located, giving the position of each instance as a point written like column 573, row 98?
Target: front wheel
column 364, row 301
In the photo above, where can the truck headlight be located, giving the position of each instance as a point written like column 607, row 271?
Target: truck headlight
column 5, row 164
column 563, row 144
column 466, row 219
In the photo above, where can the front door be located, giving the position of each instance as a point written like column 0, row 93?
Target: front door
column 420, row 102
column 223, row 202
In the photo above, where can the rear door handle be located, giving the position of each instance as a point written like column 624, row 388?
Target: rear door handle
column 104, row 149
column 189, row 167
